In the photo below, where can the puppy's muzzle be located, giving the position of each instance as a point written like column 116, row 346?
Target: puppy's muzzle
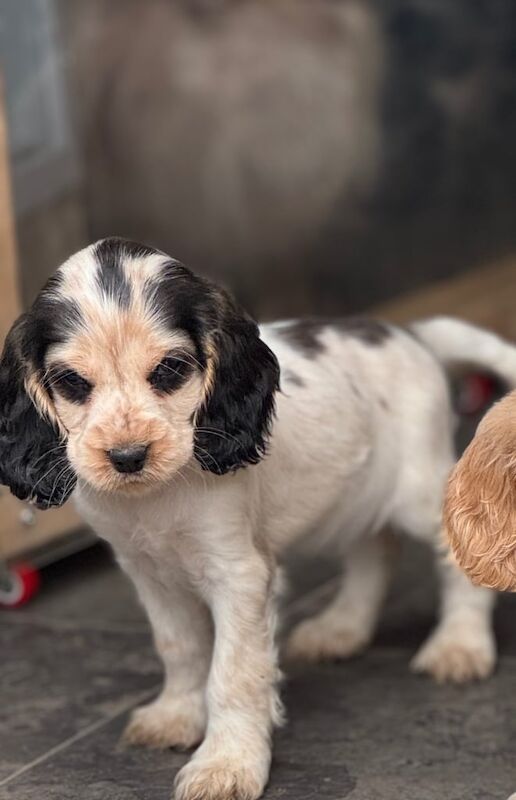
column 128, row 459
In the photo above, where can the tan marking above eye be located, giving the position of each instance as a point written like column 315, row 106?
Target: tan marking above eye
column 123, row 347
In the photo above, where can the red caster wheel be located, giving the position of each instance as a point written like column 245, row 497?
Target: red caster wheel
column 18, row 583
column 477, row 392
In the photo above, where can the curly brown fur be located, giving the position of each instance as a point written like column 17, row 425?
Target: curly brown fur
column 480, row 506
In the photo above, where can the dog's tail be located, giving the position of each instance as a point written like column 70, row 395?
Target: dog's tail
column 459, row 344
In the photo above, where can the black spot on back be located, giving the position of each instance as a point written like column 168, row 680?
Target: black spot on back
column 110, row 254
column 369, row 331
column 305, row 333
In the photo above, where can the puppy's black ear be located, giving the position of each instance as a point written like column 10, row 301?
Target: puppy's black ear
column 33, row 461
column 233, row 426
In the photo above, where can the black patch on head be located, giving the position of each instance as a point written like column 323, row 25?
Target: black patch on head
column 184, row 301
column 305, row 333
column 110, row 255
column 51, row 320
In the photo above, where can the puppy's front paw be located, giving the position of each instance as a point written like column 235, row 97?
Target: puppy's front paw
column 456, row 655
column 178, row 722
column 316, row 640
column 222, row 778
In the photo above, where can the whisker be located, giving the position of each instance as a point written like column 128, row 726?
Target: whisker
column 197, row 473
column 54, row 465
column 69, row 483
column 49, row 379
column 202, row 450
column 183, row 478
column 219, row 432
column 49, row 452
column 190, row 357
column 56, row 481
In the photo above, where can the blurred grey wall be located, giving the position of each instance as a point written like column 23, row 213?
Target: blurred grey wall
column 317, row 156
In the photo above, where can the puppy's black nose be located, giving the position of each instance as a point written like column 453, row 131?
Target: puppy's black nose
column 128, row 459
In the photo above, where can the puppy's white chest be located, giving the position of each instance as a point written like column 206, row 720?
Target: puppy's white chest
column 153, row 534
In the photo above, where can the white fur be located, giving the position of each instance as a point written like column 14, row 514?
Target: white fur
column 362, row 441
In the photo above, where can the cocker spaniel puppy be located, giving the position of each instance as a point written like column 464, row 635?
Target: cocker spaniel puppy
column 148, row 392
column 480, row 507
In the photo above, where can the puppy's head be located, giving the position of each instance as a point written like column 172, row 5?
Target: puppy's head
column 126, row 368
column 480, row 505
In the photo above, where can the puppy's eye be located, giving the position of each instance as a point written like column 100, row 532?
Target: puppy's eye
column 171, row 373
column 71, row 385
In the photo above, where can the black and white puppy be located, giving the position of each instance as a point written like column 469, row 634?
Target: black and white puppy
column 145, row 390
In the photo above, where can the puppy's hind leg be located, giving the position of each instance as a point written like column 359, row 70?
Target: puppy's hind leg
column 348, row 624
column 462, row 646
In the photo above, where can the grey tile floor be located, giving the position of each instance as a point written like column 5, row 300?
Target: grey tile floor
column 77, row 660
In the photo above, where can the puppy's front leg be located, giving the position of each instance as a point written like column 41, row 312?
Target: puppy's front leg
column 234, row 760
column 183, row 633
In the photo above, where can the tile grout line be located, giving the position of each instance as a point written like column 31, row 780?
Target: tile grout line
column 67, row 625
column 95, row 726
column 295, row 604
